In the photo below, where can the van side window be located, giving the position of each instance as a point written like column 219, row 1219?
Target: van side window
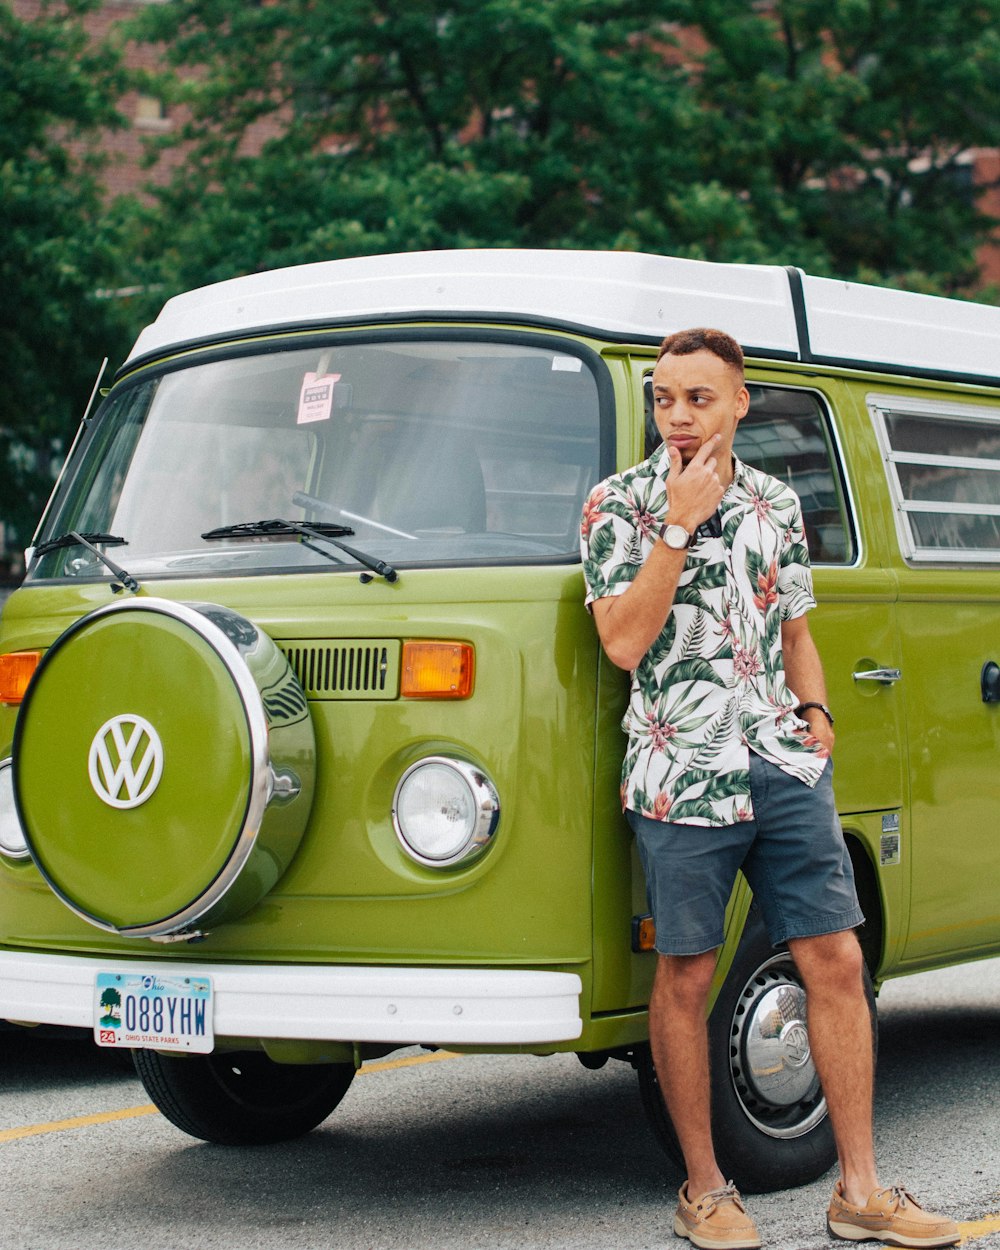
column 787, row 434
column 943, row 464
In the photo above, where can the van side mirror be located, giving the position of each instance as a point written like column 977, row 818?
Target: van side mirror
column 989, row 681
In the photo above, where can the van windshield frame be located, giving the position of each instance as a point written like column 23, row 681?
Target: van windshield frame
column 436, row 447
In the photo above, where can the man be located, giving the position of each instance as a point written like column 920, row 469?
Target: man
column 699, row 583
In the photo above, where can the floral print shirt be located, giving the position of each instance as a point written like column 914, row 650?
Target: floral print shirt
column 711, row 688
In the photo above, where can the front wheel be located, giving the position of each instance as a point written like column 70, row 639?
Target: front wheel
column 769, row 1116
column 241, row 1098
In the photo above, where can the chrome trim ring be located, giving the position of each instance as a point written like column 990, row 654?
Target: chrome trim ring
column 260, row 767
column 771, row 1064
column 8, row 812
column 487, row 811
column 261, row 676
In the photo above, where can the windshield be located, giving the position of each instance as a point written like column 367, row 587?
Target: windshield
column 427, row 450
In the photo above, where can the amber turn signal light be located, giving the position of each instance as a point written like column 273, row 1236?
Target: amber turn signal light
column 437, row 670
column 16, row 670
column 643, row 934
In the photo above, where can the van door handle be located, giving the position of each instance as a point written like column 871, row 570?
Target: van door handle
column 885, row 675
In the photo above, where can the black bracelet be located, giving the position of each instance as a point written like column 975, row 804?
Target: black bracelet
column 819, row 706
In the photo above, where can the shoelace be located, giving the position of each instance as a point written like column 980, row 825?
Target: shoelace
column 899, row 1196
column 715, row 1196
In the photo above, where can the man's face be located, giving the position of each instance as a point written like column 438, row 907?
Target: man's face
column 694, row 397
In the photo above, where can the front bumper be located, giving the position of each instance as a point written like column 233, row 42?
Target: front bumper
column 434, row 1006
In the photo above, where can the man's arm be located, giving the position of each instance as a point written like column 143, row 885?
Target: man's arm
column 804, row 676
column 628, row 624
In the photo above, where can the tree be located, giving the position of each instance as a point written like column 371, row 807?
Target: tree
column 111, row 1001
column 825, row 133
column 405, row 124
column 848, row 124
column 57, row 246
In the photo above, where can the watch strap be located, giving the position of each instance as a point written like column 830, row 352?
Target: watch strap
column 820, row 707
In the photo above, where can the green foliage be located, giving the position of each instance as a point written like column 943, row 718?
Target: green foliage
column 845, row 126
column 57, row 245
column 826, row 134
column 830, row 134
column 416, row 125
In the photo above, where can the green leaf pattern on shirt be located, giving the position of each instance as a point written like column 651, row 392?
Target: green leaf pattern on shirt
column 712, row 685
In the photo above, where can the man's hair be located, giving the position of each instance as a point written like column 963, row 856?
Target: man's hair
column 720, row 344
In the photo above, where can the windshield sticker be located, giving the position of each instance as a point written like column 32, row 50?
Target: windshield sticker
column 316, row 397
column 566, row 364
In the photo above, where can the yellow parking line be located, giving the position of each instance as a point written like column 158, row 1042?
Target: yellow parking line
column 408, row 1062
column 131, row 1113
column 971, row 1229
column 79, row 1121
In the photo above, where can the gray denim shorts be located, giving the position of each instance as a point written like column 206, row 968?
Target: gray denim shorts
column 792, row 853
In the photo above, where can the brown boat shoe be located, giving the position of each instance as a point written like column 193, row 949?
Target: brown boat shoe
column 717, row 1221
column 892, row 1215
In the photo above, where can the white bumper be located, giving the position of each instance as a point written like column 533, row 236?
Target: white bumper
column 439, row 1006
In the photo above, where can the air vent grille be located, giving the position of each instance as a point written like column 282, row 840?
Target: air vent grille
column 362, row 669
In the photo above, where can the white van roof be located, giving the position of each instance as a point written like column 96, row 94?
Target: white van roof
column 771, row 310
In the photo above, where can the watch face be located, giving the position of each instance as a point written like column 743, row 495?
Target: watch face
column 676, row 536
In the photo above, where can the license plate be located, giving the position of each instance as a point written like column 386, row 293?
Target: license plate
column 153, row 1010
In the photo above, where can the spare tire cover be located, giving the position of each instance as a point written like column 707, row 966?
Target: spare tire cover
column 164, row 765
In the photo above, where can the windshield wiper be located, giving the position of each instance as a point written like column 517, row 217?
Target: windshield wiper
column 321, row 531
column 263, row 529
column 74, row 539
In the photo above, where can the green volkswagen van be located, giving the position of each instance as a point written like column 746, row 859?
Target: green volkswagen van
column 308, row 750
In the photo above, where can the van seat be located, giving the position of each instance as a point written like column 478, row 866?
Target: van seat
column 427, row 484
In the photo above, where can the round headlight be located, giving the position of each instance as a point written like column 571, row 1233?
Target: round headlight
column 12, row 843
column 445, row 811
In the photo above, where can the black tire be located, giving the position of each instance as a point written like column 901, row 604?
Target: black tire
column 241, row 1098
column 769, row 1118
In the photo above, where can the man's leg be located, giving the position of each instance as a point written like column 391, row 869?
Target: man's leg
column 840, row 1036
column 710, row 1213
column 841, row 1041
column 689, row 878
column 678, row 1035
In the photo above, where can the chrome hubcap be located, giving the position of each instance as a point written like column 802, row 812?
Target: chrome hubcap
column 770, row 1060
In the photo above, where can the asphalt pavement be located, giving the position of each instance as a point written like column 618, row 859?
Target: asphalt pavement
column 456, row 1153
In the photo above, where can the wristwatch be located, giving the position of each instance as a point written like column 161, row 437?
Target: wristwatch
column 676, row 537
column 821, row 707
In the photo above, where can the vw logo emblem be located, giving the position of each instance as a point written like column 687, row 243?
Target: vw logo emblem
column 796, row 1043
column 126, row 761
